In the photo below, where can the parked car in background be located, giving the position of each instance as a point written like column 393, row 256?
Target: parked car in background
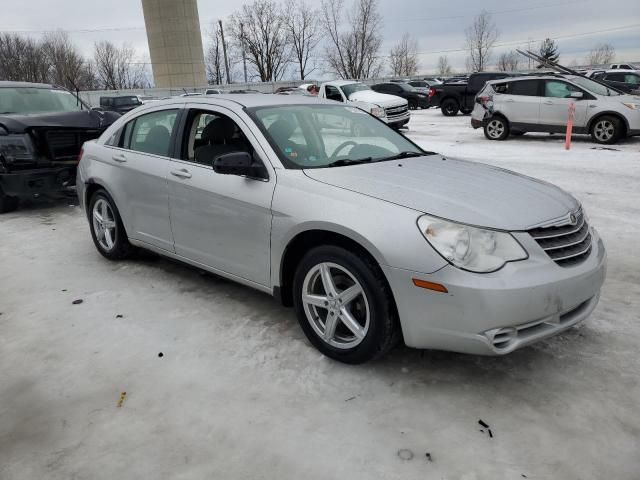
column 370, row 238
column 191, row 94
column 541, row 104
column 432, row 80
column 421, row 86
column 245, row 91
column 42, row 129
column 454, row 97
column 212, row 91
column 624, row 66
column 388, row 108
column 415, row 99
column 120, row 104
column 626, row 80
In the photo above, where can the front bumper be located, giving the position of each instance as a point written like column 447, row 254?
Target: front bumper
column 40, row 181
column 497, row 313
column 398, row 121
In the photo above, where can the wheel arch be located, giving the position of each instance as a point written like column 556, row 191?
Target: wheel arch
column 609, row 113
column 300, row 243
column 92, row 185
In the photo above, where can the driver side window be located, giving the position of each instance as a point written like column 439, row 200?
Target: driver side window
column 557, row 89
column 208, row 135
column 333, row 93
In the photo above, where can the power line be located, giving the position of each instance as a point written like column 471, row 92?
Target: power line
column 84, row 30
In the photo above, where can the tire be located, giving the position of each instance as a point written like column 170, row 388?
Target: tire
column 449, row 107
column 496, row 128
column 107, row 230
column 8, row 203
column 413, row 105
column 371, row 312
column 606, row 129
column 466, row 111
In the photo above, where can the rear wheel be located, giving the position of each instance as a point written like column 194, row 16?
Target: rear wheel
column 107, row 230
column 344, row 305
column 413, row 105
column 606, row 129
column 7, row 202
column 496, row 128
column 449, row 107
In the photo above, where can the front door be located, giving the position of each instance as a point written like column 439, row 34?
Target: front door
column 554, row 109
column 221, row 221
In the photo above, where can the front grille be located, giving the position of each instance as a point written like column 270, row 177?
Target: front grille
column 66, row 144
column 396, row 111
column 568, row 244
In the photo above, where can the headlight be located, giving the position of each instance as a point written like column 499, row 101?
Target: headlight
column 377, row 112
column 471, row 248
column 15, row 149
column 632, row 106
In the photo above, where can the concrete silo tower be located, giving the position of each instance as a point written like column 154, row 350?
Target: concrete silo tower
column 175, row 43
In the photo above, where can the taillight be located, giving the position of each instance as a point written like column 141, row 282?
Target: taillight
column 80, row 154
column 432, row 92
column 483, row 99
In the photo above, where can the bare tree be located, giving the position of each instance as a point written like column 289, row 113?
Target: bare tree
column 214, row 60
column 352, row 52
column 67, row 67
column 444, row 68
column 601, row 54
column 116, row 68
column 481, row 35
column 508, row 61
column 403, row 57
column 303, row 29
column 21, row 59
column 261, row 28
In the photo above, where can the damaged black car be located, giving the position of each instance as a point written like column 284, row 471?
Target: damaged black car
column 42, row 129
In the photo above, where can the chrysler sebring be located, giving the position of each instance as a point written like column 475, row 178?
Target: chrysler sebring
column 369, row 237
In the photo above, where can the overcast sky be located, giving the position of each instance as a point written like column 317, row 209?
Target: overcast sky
column 438, row 25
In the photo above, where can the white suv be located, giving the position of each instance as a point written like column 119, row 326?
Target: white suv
column 541, row 104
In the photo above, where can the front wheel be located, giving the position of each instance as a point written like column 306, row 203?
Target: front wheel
column 449, row 107
column 606, row 130
column 496, row 128
column 7, row 202
column 107, row 230
column 344, row 305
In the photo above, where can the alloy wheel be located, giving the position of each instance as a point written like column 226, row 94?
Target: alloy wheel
column 336, row 305
column 495, row 129
column 604, row 130
column 104, row 224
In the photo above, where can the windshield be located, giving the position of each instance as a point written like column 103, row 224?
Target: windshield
column 594, row 87
column 354, row 87
column 37, row 100
column 318, row 136
column 122, row 101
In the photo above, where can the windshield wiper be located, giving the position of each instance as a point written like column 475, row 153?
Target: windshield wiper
column 347, row 161
column 407, row 154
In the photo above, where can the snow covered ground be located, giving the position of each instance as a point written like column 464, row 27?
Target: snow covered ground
column 238, row 393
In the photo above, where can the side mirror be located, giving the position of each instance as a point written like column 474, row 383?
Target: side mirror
column 238, row 163
column 576, row 95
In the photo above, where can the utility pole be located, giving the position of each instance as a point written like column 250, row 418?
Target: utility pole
column 244, row 53
column 224, row 51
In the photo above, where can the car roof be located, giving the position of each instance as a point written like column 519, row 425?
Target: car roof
column 249, row 100
column 339, row 83
column 9, row 84
column 620, row 70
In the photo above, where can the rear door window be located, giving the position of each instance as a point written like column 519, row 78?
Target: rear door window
column 150, row 133
column 528, row 88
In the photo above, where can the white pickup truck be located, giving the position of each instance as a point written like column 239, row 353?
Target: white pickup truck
column 389, row 108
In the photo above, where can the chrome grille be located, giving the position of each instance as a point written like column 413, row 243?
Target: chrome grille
column 568, row 244
column 395, row 111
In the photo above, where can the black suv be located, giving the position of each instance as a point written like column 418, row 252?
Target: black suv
column 627, row 81
column 42, row 129
column 404, row 90
column 121, row 104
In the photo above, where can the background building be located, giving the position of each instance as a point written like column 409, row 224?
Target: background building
column 175, row 43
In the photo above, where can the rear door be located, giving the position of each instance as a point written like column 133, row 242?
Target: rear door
column 520, row 102
column 554, row 109
column 139, row 181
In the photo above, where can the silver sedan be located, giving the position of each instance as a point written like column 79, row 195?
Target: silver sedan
column 369, row 237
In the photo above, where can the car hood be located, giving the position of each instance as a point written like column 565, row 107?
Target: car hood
column 463, row 191
column 85, row 119
column 381, row 99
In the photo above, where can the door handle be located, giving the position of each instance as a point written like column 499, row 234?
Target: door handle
column 119, row 158
column 509, row 100
column 182, row 173
column 548, row 102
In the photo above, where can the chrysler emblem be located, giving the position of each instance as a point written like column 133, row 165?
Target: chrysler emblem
column 573, row 219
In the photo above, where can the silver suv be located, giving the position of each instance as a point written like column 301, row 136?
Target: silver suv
column 541, row 104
